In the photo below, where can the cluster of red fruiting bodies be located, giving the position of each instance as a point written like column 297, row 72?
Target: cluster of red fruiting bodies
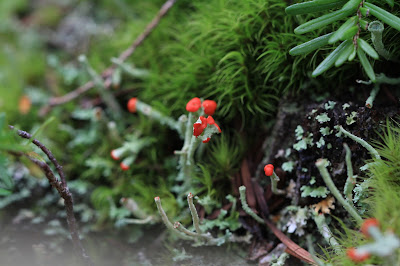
column 209, row 107
column 194, row 105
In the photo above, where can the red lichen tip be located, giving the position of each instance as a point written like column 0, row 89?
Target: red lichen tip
column 367, row 224
column 190, row 195
column 114, row 155
column 269, row 169
column 211, row 121
column 206, row 140
column 199, row 126
column 193, row 105
column 356, row 256
column 209, row 107
column 124, row 166
column 132, row 105
column 156, row 198
column 177, row 225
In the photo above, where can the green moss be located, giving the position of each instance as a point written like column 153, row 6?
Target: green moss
column 232, row 52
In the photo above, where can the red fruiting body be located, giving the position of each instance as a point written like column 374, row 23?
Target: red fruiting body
column 114, row 155
column 211, row 121
column 209, row 107
column 157, row 198
column 132, row 105
column 199, row 127
column 206, row 140
column 193, row 105
column 354, row 255
column 269, row 169
column 367, row 224
column 124, row 166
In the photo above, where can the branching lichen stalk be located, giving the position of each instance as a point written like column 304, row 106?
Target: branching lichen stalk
column 321, row 165
column 166, row 221
column 178, row 226
column 362, row 142
column 193, row 211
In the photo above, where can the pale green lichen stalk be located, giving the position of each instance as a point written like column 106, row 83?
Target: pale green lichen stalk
column 245, row 206
column 195, row 216
column 166, row 221
column 376, row 28
column 351, row 181
column 156, row 115
column 324, row 230
column 184, row 233
column 274, row 185
column 360, row 141
column 321, row 165
column 106, row 96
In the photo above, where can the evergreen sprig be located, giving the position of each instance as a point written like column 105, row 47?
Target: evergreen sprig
column 349, row 33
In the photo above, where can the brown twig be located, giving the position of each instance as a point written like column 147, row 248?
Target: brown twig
column 107, row 74
column 292, row 248
column 26, row 135
column 246, row 179
column 62, row 189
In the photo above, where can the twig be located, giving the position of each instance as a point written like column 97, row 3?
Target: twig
column 107, row 74
column 69, row 207
column 62, row 190
column 292, row 248
column 26, row 135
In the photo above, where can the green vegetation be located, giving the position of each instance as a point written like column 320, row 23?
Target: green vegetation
column 130, row 141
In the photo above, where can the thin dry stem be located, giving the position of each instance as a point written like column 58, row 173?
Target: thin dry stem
column 26, row 135
column 107, row 74
column 62, row 189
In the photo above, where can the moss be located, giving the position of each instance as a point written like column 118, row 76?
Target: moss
column 232, row 52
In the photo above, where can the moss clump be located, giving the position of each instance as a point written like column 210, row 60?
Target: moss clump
column 229, row 51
